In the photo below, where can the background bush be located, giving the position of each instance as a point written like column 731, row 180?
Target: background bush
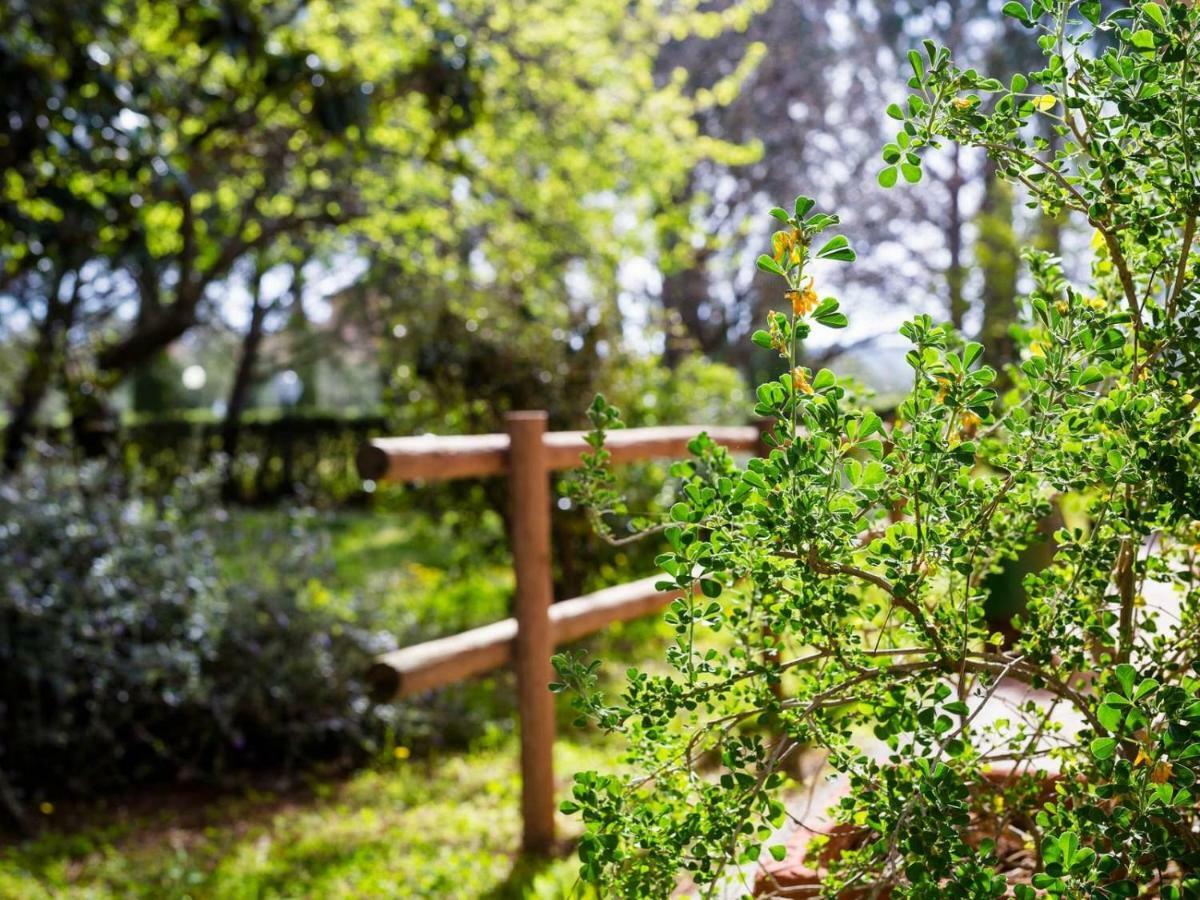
column 128, row 653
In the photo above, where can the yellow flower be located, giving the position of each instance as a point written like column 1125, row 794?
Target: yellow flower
column 46, row 808
column 1063, row 307
column 943, row 389
column 970, row 421
column 402, row 753
column 1142, row 757
column 781, row 242
column 962, row 104
column 1037, row 348
column 803, row 301
column 1096, row 303
column 800, row 381
column 1161, row 773
column 1045, row 103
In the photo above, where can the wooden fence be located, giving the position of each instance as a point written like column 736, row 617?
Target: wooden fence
column 527, row 453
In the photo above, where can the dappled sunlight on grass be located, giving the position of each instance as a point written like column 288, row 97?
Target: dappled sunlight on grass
column 444, row 827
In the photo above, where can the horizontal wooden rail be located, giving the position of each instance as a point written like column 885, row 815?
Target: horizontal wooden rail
column 447, row 660
column 441, row 458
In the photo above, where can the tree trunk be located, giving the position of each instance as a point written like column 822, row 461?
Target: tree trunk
column 693, row 322
column 243, row 381
column 38, row 372
column 303, row 344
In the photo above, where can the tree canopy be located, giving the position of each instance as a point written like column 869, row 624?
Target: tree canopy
column 496, row 162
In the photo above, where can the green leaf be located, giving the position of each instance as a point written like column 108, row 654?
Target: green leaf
column 1090, row 10
column 1018, row 84
column 971, row 353
column 1153, row 11
column 895, row 111
column 768, row 264
column 837, row 248
column 914, row 60
column 834, row 320
column 1125, row 674
column 755, row 479
column 778, row 852
column 874, row 474
column 1142, row 39
column 1067, row 845
column 887, row 177
column 1016, row 11
column 870, row 424
column 1147, row 687
column 1109, row 716
column 912, row 174
column 780, row 213
column 1103, row 748
column 825, row 307
column 803, row 205
column 762, row 338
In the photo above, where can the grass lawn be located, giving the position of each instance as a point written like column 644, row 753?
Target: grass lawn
column 443, row 827
column 439, row 825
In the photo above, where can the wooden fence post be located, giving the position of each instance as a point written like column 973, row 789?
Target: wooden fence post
column 529, row 489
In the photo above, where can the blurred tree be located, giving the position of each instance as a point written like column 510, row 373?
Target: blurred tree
column 155, row 386
column 494, row 162
column 245, row 374
column 56, row 231
column 817, row 116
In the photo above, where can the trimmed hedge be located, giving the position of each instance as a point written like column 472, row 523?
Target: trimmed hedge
column 306, row 454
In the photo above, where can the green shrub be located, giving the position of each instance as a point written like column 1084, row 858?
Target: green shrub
column 834, row 592
column 126, row 655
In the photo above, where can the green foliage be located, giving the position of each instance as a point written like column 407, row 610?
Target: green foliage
column 480, row 169
column 305, row 454
column 833, row 591
column 131, row 653
column 425, row 819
